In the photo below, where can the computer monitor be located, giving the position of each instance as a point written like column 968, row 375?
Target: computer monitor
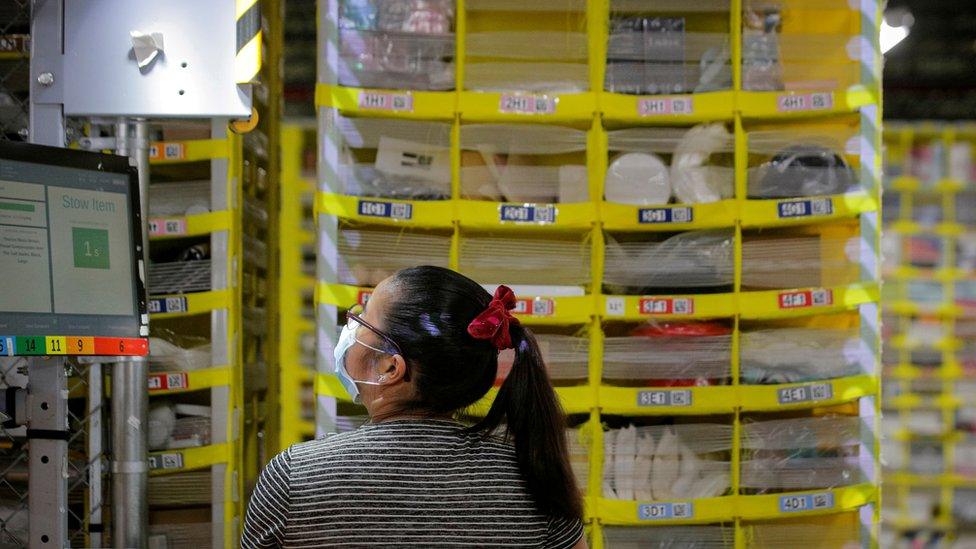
column 71, row 270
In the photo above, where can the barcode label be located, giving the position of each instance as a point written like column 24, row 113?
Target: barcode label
column 616, row 306
column 667, row 306
column 806, row 502
column 805, row 208
column 664, row 398
column 665, row 215
column 166, row 461
column 161, row 305
column 663, row 106
column 664, row 511
column 527, row 213
column 168, row 382
column 805, row 102
column 526, row 104
column 805, row 393
column 390, row 210
column 535, row 307
column 167, row 151
column 167, row 227
column 397, row 102
column 806, row 298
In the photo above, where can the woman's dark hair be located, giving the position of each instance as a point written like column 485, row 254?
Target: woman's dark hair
column 428, row 317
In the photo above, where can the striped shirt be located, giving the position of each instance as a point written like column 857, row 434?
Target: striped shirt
column 408, row 483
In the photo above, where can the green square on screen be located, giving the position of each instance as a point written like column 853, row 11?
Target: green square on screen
column 90, row 247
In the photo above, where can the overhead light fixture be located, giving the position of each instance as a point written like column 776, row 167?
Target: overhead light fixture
column 895, row 27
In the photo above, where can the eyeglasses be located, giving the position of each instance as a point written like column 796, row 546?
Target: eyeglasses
column 353, row 315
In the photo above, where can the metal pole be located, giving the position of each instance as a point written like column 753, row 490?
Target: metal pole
column 95, row 449
column 130, row 399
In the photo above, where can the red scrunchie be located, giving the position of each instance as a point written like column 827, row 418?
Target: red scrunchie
column 494, row 321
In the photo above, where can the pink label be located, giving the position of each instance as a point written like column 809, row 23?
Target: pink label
column 526, row 104
column 399, row 102
column 663, row 106
column 806, row 298
column 805, row 102
column 535, row 307
column 167, row 227
column 667, row 306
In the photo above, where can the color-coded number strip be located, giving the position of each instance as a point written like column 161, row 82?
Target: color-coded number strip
column 68, row 345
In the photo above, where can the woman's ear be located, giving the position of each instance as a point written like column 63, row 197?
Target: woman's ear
column 393, row 368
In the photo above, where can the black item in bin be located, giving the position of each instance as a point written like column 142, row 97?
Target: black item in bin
column 804, row 170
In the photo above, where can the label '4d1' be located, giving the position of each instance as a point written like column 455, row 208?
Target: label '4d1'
column 806, row 502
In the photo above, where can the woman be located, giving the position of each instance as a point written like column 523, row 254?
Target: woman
column 424, row 349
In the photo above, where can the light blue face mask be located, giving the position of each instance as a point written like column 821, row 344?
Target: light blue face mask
column 347, row 338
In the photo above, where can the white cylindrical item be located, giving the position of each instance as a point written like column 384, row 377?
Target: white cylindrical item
column 638, row 178
column 693, row 180
column 162, row 421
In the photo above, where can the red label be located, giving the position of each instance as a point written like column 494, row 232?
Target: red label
column 667, row 306
column 167, row 382
column 121, row 346
column 535, row 307
column 363, row 296
column 806, row 298
column 167, row 151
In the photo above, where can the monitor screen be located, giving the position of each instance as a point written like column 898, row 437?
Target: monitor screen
column 70, row 235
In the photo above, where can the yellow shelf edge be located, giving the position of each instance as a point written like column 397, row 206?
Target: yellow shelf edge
column 628, row 217
column 388, row 103
column 176, row 152
column 783, row 212
column 425, row 214
column 191, row 458
column 191, row 304
column 195, row 380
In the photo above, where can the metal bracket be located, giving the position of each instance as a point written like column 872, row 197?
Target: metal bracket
column 47, row 430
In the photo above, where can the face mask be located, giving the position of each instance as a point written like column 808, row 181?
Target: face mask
column 347, row 338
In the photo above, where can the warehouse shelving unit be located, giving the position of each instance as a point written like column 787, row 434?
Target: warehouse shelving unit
column 296, row 281
column 928, row 334
column 453, row 226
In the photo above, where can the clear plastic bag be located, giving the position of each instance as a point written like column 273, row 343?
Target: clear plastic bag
column 165, row 356
column 793, row 355
column 179, row 198
column 667, row 462
column 366, row 257
column 669, row 537
column 393, row 158
column 403, row 44
column 801, row 162
column 536, row 261
column 523, row 163
column 671, row 354
column 694, row 259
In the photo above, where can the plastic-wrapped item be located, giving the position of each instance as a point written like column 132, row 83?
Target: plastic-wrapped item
column 791, row 473
column 670, row 354
column 700, row 161
column 761, row 69
column 796, row 261
column 178, row 277
column 523, row 163
column 177, row 425
column 161, row 421
column 179, row 198
column 366, row 257
column 165, row 356
column 667, row 462
column 404, row 44
column 579, row 458
column 793, row 355
column 566, row 357
column 964, row 506
column 800, row 162
column 669, row 537
column 694, row 259
column 965, row 457
column 189, row 488
column 832, row 431
column 543, row 262
column 393, row 158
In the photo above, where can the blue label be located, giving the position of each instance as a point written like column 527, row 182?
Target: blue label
column 665, row 511
column 665, row 215
column 391, row 210
column 805, row 208
column 160, row 305
column 6, row 346
column 806, row 502
column 527, row 213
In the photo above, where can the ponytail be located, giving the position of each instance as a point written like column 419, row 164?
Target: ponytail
column 536, row 424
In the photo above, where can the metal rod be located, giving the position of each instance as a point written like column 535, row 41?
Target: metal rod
column 130, row 400
column 95, row 448
column 47, row 483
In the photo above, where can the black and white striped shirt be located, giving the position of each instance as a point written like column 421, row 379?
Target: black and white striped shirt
column 408, row 483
